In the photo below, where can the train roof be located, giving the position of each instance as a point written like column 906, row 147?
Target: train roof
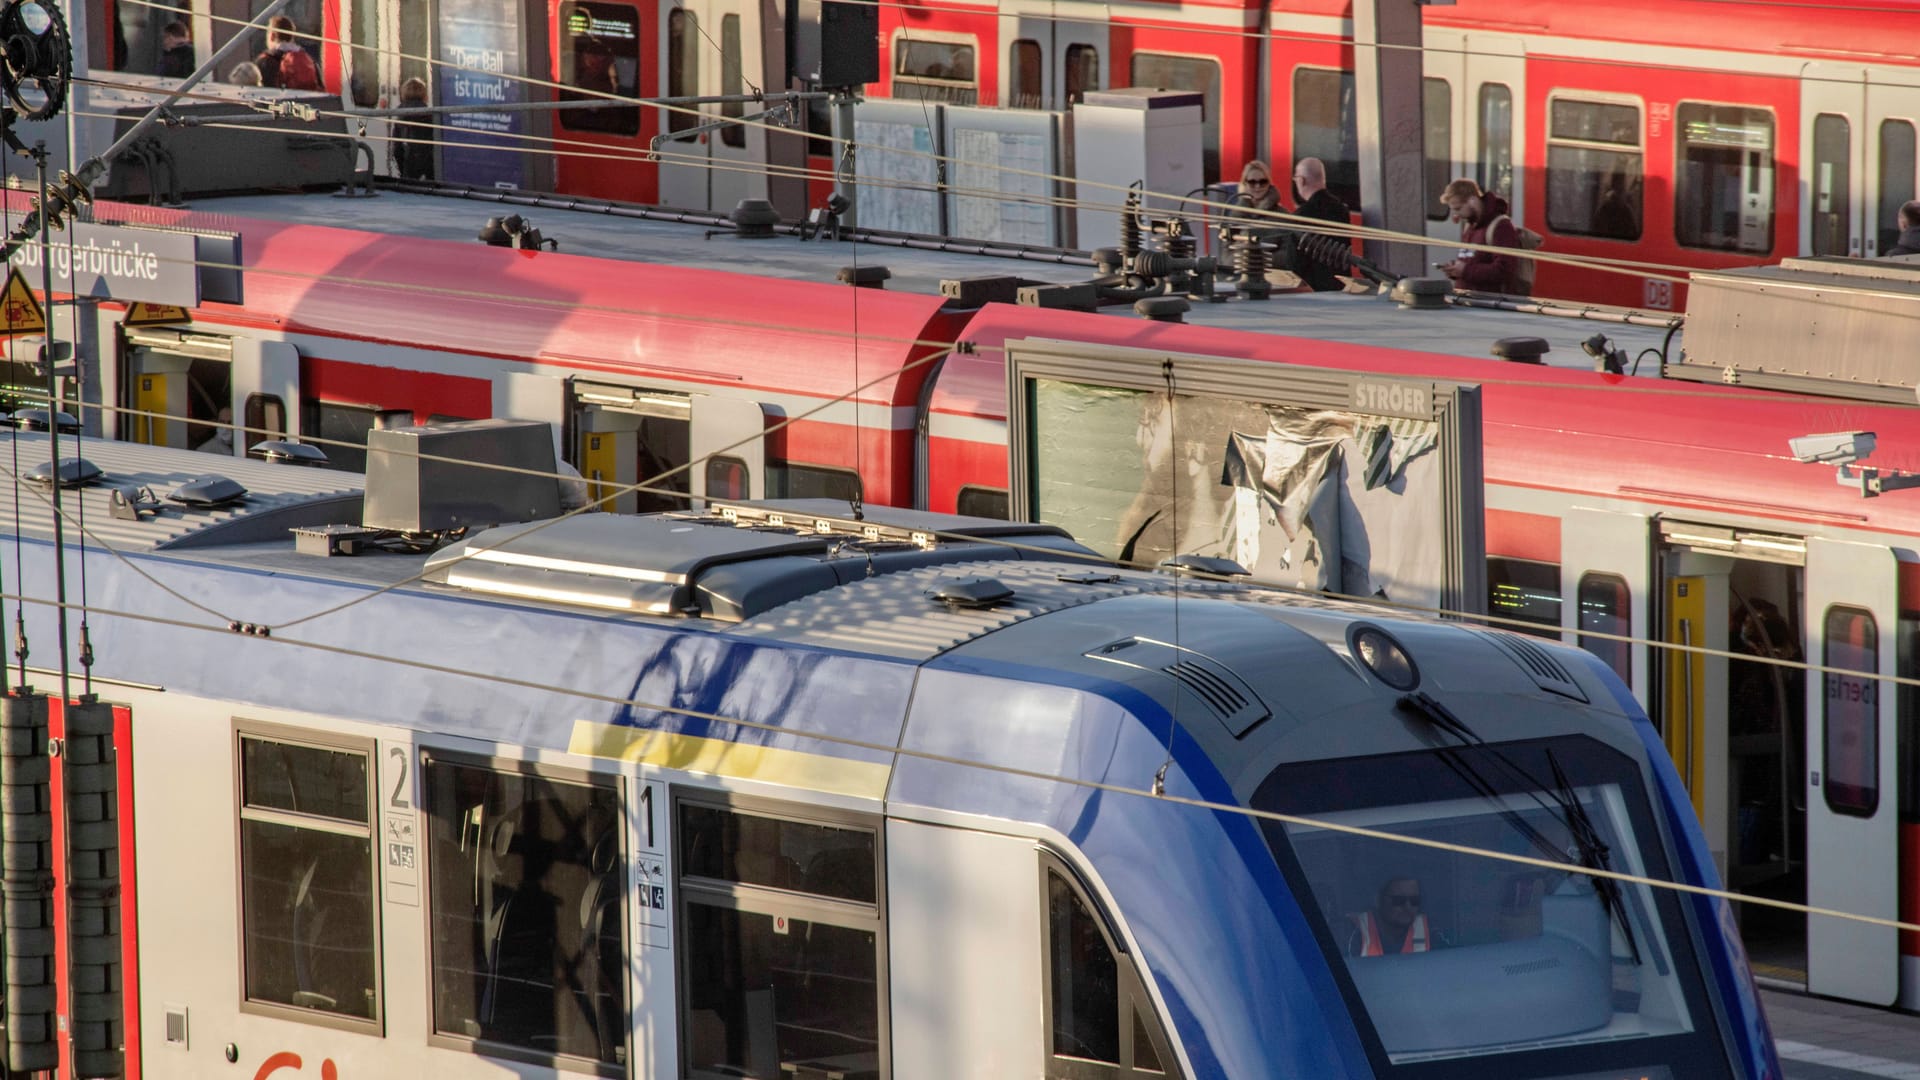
column 794, row 281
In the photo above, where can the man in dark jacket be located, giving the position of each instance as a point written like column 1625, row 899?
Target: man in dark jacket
column 1313, row 200
column 1483, row 220
column 1909, row 242
column 176, row 50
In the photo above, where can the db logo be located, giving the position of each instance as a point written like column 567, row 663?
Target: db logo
column 286, row 1059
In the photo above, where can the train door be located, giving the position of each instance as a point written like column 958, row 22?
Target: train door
column 713, row 47
column 1893, row 118
column 680, row 446
column 1054, row 53
column 1852, row 624
column 1832, row 102
column 387, row 43
column 596, row 53
column 1447, row 108
column 1494, row 108
column 1604, row 562
column 175, row 384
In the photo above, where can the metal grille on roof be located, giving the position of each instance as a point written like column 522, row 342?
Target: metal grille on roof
column 1546, row 672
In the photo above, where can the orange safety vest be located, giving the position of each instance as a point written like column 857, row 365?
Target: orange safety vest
column 1417, row 937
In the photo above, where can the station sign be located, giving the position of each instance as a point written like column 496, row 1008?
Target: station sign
column 118, row 262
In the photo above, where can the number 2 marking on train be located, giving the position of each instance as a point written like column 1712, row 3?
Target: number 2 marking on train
column 399, row 800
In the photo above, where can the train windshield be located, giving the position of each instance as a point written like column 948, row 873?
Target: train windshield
column 1448, row 955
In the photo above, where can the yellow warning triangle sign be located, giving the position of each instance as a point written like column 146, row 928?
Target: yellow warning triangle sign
column 20, row 311
column 145, row 314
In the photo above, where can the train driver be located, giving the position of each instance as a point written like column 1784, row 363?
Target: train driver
column 1396, row 925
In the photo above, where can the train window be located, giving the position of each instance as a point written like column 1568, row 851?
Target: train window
column 726, row 478
column 1083, row 72
column 1594, row 168
column 1897, row 167
column 1495, row 158
column 600, row 53
column 683, row 66
column 732, row 81
column 1324, row 126
column 1525, row 590
column 1535, row 963
column 309, row 926
column 792, row 481
column 363, row 54
column 1605, row 608
column 1025, row 87
column 1723, row 183
column 525, row 901
column 341, row 431
column 1436, row 103
column 265, row 417
column 1831, row 186
column 1907, row 710
column 1850, row 773
column 781, row 931
column 1098, row 1012
column 1188, row 73
column 986, row 502
column 934, row 71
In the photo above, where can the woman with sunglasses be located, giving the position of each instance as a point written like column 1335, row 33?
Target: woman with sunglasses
column 1256, row 187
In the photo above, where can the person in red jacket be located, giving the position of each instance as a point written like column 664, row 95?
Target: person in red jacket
column 1483, row 220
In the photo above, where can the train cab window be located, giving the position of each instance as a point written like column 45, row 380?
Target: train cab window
column 781, row 925
column 1082, row 72
column 726, row 478
column 526, row 887
column 1594, row 168
column 1526, row 590
column 1494, row 160
column 1025, row 75
column 1605, row 608
column 1830, row 186
column 1324, row 126
column 1850, row 773
column 1451, row 958
column 600, row 53
column 934, row 71
column 1723, row 185
column 1101, row 1020
column 1188, row 73
column 1897, row 168
column 265, row 417
column 986, row 502
column 309, row 919
column 683, row 66
column 1436, row 104
column 342, row 432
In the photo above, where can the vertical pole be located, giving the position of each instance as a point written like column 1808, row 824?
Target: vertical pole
column 53, row 426
column 1392, row 128
column 845, row 180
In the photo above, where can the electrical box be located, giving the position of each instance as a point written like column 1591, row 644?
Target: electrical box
column 432, row 478
column 1119, row 136
column 833, row 43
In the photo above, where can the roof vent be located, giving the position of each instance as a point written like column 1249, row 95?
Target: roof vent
column 1163, row 308
column 1422, row 292
column 754, row 219
column 1231, row 699
column 1205, row 564
column 209, row 491
column 865, row 277
column 74, row 472
column 282, row 452
column 970, row 593
column 1547, row 673
column 1522, row 350
column 36, row 420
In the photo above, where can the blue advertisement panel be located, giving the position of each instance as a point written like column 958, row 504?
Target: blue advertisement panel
column 481, row 64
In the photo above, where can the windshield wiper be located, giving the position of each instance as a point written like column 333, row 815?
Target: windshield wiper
column 1593, row 851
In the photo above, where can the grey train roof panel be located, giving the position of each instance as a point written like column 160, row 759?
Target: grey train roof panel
column 278, row 496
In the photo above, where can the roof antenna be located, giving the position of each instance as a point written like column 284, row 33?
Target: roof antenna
column 855, row 504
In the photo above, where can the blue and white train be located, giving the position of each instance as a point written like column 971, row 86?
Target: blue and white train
column 778, row 793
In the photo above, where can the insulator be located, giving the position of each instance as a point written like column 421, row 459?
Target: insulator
column 94, row 958
column 1130, row 226
column 1329, row 251
column 1180, row 242
column 26, row 820
column 1153, row 264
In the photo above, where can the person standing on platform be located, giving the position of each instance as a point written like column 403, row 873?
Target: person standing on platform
column 1483, row 220
column 284, row 63
column 1313, row 200
column 176, row 50
column 413, row 134
column 1909, row 242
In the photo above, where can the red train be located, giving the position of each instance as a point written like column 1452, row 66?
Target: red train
column 1721, row 133
column 1661, row 512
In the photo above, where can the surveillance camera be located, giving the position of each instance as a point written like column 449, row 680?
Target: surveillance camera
column 1833, row 447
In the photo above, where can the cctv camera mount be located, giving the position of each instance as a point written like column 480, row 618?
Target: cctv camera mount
column 1872, row 481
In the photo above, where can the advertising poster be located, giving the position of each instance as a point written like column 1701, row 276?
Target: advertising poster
column 481, row 64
